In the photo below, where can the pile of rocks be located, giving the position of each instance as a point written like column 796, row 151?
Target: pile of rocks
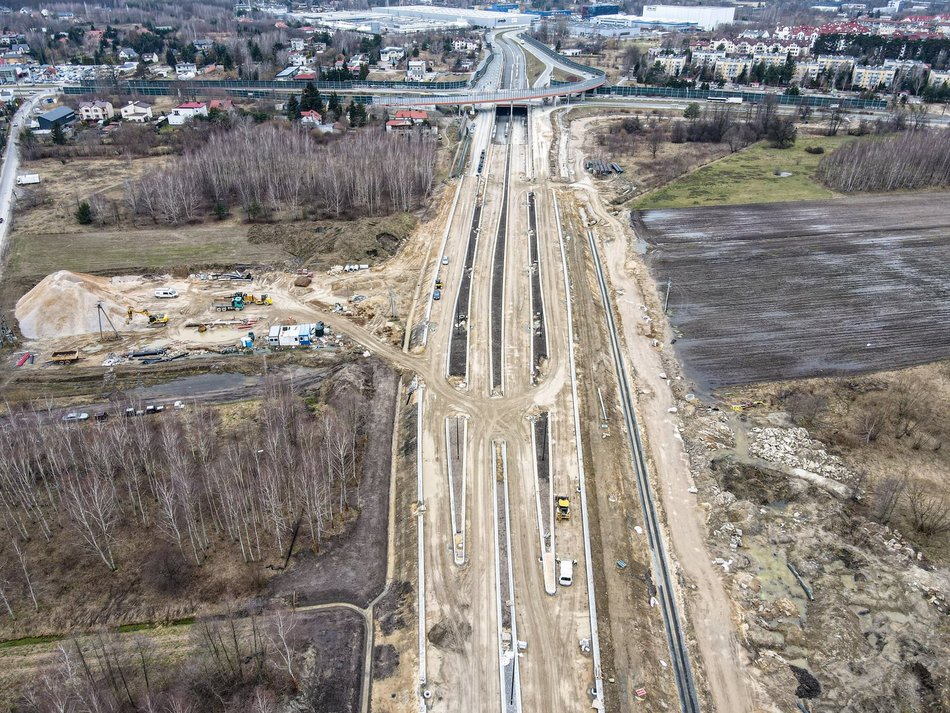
column 794, row 448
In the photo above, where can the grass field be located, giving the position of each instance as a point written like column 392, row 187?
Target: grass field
column 748, row 176
column 125, row 251
column 533, row 67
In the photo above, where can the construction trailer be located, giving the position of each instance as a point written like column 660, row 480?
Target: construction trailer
column 294, row 335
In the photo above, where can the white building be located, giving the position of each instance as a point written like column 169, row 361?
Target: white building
column 460, row 16
column 416, row 70
column 707, row 17
column 937, row 79
column 391, row 55
column 186, row 70
column 96, row 111
column 186, row 112
column 137, row 112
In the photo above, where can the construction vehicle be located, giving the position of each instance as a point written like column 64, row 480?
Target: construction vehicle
column 562, row 506
column 69, row 356
column 235, row 303
column 250, row 299
column 739, row 408
column 154, row 320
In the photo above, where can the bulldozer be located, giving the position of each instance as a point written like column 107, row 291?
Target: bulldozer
column 562, row 507
column 154, row 320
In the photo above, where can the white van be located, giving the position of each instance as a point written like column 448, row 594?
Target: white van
column 166, row 294
column 565, row 573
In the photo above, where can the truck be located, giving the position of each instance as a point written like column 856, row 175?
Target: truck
column 27, row 179
column 562, row 507
column 234, row 304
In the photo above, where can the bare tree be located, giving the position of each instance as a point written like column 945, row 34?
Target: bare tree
column 281, row 633
column 929, row 510
column 886, row 497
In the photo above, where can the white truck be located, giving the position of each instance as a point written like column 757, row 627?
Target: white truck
column 27, row 179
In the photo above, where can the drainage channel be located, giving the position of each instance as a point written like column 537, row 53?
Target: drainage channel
column 498, row 279
column 508, row 644
column 456, row 429
column 544, row 496
column 539, row 332
column 458, row 342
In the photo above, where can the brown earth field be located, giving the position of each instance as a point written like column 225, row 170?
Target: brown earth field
column 821, row 288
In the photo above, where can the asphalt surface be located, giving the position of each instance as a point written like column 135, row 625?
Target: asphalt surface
column 11, row 164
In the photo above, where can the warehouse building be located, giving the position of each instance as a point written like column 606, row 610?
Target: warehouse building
column 707, row 17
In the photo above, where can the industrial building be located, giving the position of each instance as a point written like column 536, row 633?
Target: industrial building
column 706, row 17
column 473, row 18
column 598, row 9
column 61, row 116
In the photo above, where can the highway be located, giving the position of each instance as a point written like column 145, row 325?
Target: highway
column 11, row 163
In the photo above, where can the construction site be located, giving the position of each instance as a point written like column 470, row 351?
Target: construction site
column 563, row 483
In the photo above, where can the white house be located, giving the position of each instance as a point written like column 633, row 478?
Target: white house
column 151, row 57
column 127, row 54
column 96, row 111
column 297, row 44
column 186, row 112
column 186, row 70
column 391, row 55
column 416, row 70
column 460, row 44
column 138, row 112
column 297, row 59
column 310, row 118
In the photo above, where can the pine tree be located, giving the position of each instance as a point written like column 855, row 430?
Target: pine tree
column 333, row 106
column 84, row 213
column 293, row 108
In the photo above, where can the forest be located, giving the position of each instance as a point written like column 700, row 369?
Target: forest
column 908, row 160
column 265, row 169
column 277, row 483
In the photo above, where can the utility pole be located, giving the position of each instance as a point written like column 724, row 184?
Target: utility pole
column 666, row 302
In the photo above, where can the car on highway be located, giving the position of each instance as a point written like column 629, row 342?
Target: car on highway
column 76, row 416
column 566, row 573
column 445, row 259
column 437, row 294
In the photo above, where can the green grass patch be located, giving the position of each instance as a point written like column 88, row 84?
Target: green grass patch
column 30, row 641
column 749, row 176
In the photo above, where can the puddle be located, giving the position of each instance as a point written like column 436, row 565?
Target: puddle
column 771, row 567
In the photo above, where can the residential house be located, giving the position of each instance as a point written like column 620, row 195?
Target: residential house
column 310, row 118
column 186, row 70
column 96, row 111
column 297, row 44
column 460, row 44
column 184, row 113
column 221, row 105
column 297, row 59
column 127, row 54
column 61, row 116
column 137, row 112
column 572, row 52
column 416, row 70
column 20, row 49
column 414, row 115
column 319, row 47
column 355, row 65
column 203, row 44
column 127, row 68
column 151, row 57
column 391, row 55
column 399, row 125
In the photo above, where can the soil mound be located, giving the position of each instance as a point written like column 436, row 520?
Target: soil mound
column 63, row 304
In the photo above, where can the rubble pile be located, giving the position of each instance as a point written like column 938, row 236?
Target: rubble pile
column 792, row 447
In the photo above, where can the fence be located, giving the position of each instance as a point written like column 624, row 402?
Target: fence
column 811, row 100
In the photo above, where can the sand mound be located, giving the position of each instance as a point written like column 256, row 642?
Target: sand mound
column 64, row 304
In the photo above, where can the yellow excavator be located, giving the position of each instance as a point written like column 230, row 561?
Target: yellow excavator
column 154, row 320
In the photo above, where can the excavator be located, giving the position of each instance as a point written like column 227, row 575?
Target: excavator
column 154, row 320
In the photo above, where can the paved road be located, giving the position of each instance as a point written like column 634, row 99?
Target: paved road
column 11, row 162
